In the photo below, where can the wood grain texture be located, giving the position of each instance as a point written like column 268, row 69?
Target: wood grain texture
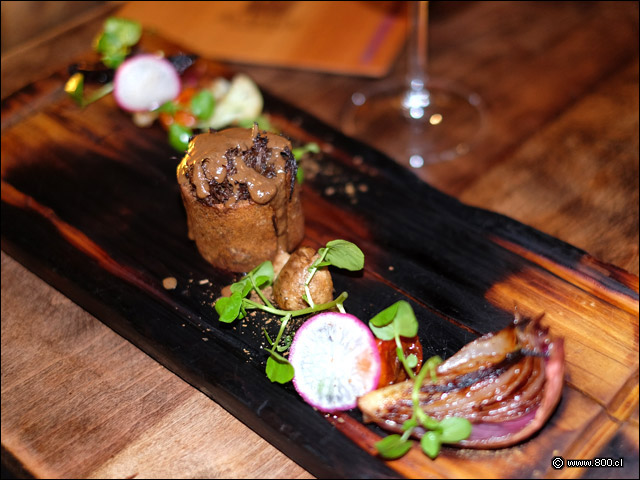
column 113, row 428
column 557, row 95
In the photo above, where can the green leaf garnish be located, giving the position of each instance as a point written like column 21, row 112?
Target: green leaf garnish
column 116, row 40
column 169, row 107
column 279, row 369
column 229, row 307
column 391, row 323
column 385, row 317
column 286, row 343
column 393, row 446
column 179, row 136
column 405, row 320
column 113, row 59
column 339, row 253
column 310, row 147
column 412, row 361
column 398, row 320
column 127, row 31
column 202, row 104
column 243, row 286
column 430, row 443
column 344, row 254
column 262, row 274
column 454, row 429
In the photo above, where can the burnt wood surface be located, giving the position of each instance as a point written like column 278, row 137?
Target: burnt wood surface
column 91, row 204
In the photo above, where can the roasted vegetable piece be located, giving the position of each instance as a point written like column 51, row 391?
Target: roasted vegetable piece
column 507, row 384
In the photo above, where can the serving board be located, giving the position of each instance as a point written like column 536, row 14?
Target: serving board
column 90, row 203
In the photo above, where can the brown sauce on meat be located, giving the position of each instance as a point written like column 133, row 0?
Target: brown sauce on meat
column 236, row 164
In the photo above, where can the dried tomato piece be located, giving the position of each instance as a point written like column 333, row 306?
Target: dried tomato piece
column 392, row 370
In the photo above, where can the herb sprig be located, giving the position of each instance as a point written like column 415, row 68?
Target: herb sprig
column 339, row 253
column 113, row 44
column 394, row 322
column 116, row 40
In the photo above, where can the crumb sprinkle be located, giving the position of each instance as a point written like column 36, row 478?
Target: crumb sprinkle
column 170, row 283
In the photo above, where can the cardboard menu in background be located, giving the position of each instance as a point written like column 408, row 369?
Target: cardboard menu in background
column 353, row 38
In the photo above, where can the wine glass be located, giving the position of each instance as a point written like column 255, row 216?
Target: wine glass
column 420, row 120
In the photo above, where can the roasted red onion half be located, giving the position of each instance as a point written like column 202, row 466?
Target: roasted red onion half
column 506, row 384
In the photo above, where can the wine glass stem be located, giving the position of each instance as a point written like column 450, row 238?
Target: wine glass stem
column 417, row 97
column 418, row 45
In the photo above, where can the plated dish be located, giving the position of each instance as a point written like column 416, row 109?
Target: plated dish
column 448, row 265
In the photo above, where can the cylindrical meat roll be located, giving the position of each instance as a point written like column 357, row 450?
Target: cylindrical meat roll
column 242, row 200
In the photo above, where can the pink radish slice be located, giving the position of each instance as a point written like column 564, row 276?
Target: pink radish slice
column 144, row 82
column 336, row 360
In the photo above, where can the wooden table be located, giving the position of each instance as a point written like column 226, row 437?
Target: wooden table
column 561, row 83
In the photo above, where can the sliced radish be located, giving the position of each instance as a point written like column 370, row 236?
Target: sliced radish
column 336, row 360
column 144, row 82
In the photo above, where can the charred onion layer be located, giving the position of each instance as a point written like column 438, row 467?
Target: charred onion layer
column 506, row 384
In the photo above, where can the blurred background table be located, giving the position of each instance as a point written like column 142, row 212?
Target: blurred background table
column 561, row 83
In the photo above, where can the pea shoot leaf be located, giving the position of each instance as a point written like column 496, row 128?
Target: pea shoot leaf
column 279, row 369
column 262, row 274
column 405, row 320
column 398, row 319
column 229, row 307
column 385, row 317
column 430, row 443
column 387, row 332
column 393, row 446
column 454, row 429
column 344, row 254
column 116, row 40
column 243, row 286
column 299, row 152
column 127, row 31
column 412, row 361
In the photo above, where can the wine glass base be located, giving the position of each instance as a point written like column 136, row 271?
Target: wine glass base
column 436, row 124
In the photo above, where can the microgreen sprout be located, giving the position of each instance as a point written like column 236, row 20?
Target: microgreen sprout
column 114, row 44
column 116, row 40
column 340, row 254
column 310, row 147
column 300, row 152
column 278, row 368
column 236, row 305
column 75, row 89
column 394, row 322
